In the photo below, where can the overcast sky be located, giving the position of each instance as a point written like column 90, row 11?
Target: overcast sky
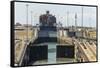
column 60, row 12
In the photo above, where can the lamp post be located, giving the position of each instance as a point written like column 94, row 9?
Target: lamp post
column 75, row 22
column 27, row 20
column 82, row 23
column 67, row 19
column 31, row 17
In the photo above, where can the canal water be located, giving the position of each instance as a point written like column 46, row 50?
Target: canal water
column 52, row 53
